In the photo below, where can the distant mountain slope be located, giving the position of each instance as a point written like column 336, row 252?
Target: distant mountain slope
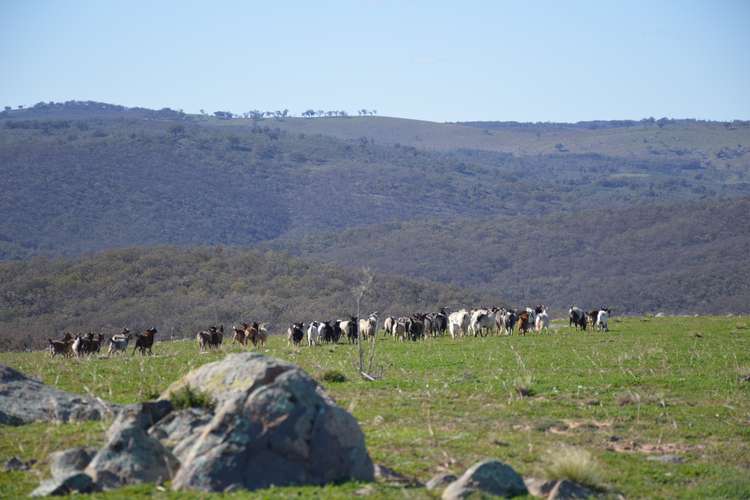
column 673, row 258
column 710, row 143
column 91, row 177
column 181, row 291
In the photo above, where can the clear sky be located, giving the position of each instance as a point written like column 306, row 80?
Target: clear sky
column 434, row 60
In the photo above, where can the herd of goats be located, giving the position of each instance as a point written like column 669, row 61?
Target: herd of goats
column 474, row 322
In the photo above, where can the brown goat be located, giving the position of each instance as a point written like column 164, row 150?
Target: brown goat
column 240, row 335
column 523, row 323
column 256, row 333
column 60, row 348
column 210, row 339
column 144, row 341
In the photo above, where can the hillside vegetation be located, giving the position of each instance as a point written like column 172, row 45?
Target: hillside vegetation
column 660, row 403
column 182, row 291
column 83, row 178
column 722, row 145
column 553, row 213
column 672, row 258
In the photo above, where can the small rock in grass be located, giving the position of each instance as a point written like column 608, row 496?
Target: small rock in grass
column 539, row 487
column 440, row 481
column 568, row 489
column 76, row 483
column 489, row 477
column 67, row 462
column 365, row 491
column 387, row 475
column 667, row 459
column 14, row 463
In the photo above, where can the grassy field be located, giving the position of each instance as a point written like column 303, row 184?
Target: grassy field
column 650, row 387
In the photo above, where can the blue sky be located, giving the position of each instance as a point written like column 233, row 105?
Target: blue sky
column 432, row 60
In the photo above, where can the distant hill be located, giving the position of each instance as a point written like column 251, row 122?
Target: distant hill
column 718, row 144
column 86, row 177
column 647, row 215
column 183, row 290
column 674, row 258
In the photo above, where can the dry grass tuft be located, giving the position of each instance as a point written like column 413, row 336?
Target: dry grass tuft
column 573, row 464
column 628, row 398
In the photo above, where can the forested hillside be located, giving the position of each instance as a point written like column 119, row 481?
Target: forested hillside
column 84, row 178
column 644, row 216
column 181, row 291
column 674, row 258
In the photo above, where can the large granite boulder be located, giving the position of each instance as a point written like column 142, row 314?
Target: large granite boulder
column 270, row 424
column 273, row 425
column 24, row 400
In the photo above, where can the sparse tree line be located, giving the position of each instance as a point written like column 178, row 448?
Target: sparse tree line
column 257, row 115
column 253, row 114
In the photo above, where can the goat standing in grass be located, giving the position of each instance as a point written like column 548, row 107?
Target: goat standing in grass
column 542, row 321
column 313, row 337
column 602, row 320
column 63, row 347
column 295, row 333
column 258, row 334
column 523, row 323
column 240, row 335
column 119, row 343
column 144, row 341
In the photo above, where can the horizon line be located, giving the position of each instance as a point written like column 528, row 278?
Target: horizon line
column 370, row 113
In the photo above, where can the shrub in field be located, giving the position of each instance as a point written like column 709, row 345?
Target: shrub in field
column 573, row 464
column 187, row 397
column 523, row 386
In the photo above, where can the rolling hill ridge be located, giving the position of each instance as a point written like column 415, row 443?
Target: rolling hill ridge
column 644, row 216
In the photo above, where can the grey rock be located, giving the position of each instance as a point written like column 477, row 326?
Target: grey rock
column 565, row 489
column 365, row 491
column 539, row 487
column 273, row 425
column 440, row 481
column 145, row 414
column 75, row 483
column 24, row 400
column 387, row 475
column 68, row 462
column 489, row 477
column 131, row 456
column 178, row 431
column 235, row 375
column 15, row 463
column 667, row 459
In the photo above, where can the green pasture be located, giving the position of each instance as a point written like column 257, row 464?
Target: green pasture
column 650, row 387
